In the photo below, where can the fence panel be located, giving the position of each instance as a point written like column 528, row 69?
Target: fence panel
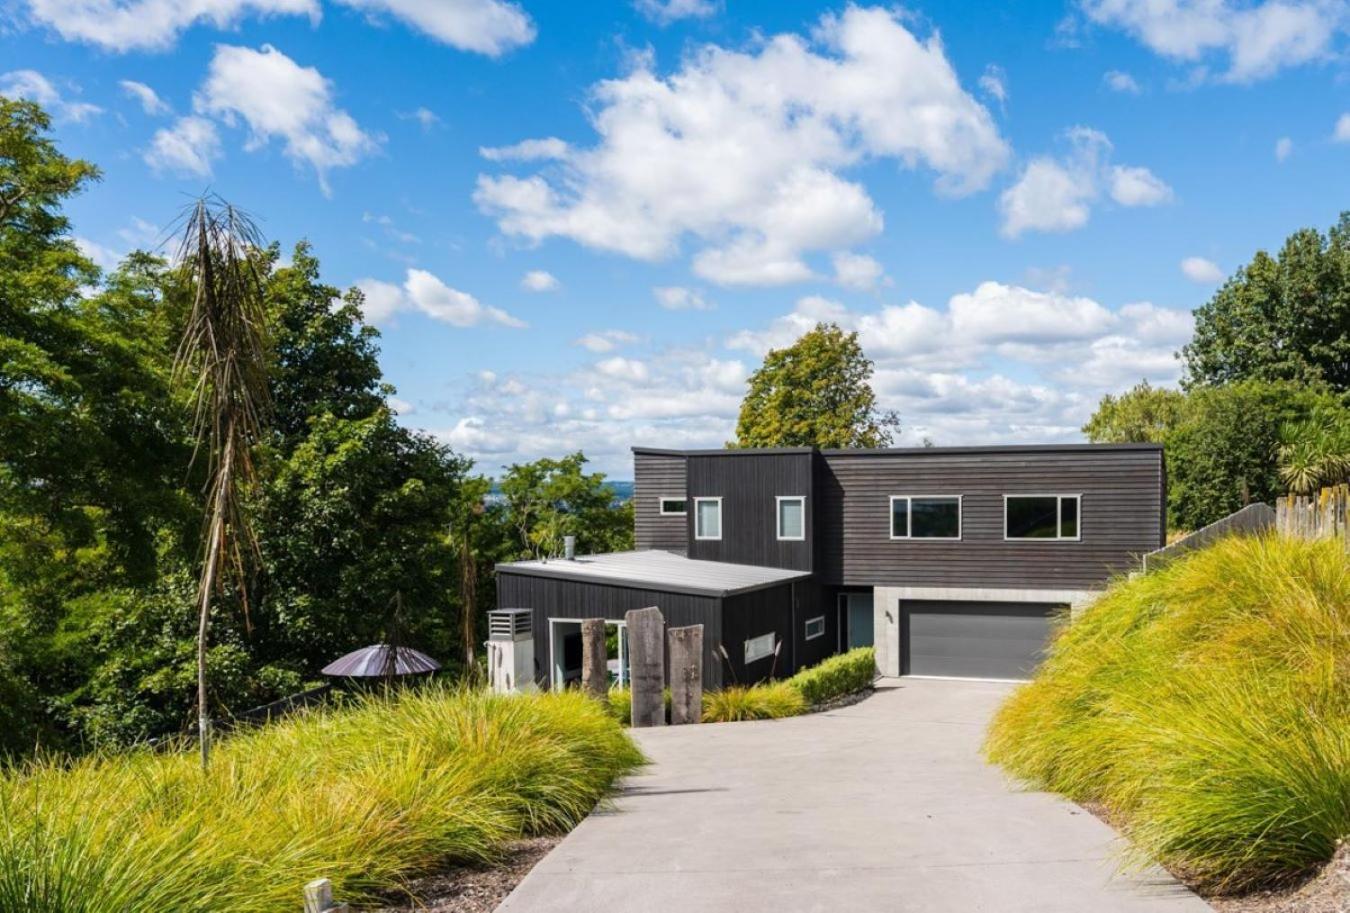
column 1325, row 515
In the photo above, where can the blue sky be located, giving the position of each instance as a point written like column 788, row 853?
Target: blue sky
column 581, row 225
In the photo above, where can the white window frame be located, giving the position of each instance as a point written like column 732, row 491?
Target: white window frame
column 625, row 673
column 778, row 517
column 806, row 628
column 1059, row 516
column 759, row 646
column 661, row 506
column 699, row 536
column 909, row 518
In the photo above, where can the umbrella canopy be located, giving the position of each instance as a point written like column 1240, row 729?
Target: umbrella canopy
column 380, row 660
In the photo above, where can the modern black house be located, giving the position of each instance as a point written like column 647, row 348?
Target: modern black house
column 952, row 561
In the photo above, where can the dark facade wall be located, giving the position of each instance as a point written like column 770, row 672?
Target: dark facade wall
column 1121, row 511
column 748, row 484
column 553, row 598
column 751, row 615
column 656, row 476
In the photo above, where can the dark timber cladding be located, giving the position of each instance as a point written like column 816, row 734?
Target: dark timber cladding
column 655, row 476
column 1122, row 496
column 749, row 482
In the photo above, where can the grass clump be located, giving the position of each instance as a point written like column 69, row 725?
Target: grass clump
column 368, row 797
column 1206, row 706
column 837, row 676
column 768, row 701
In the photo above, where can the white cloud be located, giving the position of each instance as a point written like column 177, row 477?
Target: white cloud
column 1198, row 269
column 1342, row 132
column 998, row 313
column 1284, row 147
column 1120, row 81
column 530, row 150
column 426, row 117
column 278, row 98
column 424, row 293
column 186, row 148
column 857, row 271
column 490, row 27
column 538, row 280
column 1256, row 39
column 664, row 12
column 126, row 25
column 1056, row 195
column 400, row 406
column 33, row 86
column 105, row 258
column 994, row 83
column 743, row 151
column 606, row 340
column 148, row 98
column 679, row 298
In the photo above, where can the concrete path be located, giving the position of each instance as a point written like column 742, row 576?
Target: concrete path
column 882, row 806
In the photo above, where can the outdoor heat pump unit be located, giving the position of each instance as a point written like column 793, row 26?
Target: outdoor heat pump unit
column 510, row 650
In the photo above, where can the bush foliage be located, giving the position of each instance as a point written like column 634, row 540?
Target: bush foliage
column 1207, row 708
column 766, row 701
column 367, row 796
column 837, row 676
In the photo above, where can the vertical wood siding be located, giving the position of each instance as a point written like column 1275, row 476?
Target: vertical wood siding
column 656, row 476
column 748, row 484
column 1120, row 510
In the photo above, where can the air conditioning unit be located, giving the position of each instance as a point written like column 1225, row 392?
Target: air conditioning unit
column 510, row 650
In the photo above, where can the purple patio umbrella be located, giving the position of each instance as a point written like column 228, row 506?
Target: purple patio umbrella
column 381, row 661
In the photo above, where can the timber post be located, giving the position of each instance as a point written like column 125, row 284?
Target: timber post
column 686, row 674
column 594, row 656
column 647, row 665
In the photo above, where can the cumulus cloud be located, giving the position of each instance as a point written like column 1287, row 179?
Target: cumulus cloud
column 148, row 98
column 857, row 271
column 538, row 280
column 33, row 86
column 530, row 150
column 1198, row 269
column 994, row 83
column 490, row 27
column 187, row 148
column 745, row 152
column 424, row 293
column 277, row 98
column 606, row 340
column 679, row 298
column 1120, row 81
column 426, row 117
column 664, row 12
column 1253, row 40
column 1341, row 133
column 1056, row 194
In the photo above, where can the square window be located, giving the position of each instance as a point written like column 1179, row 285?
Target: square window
column 707, row 518
column 815, row 627
column 792, row 518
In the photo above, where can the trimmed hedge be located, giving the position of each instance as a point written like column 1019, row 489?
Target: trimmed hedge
column 837, row 676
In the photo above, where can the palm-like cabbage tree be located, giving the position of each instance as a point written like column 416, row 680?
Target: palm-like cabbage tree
column 1315, row 452
column 222, row 356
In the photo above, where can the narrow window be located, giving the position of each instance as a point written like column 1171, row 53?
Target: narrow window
column 925, row 516
column 674, row 507
column 815, row 627
column 792, row 518
column 1040, row 516
column 707, row 518
column 760, row 647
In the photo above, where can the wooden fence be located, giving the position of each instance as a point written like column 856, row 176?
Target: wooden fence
column 1251, row 520
column 1325, row 515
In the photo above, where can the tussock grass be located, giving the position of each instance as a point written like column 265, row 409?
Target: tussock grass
column 1206, row 706
column 837, row 676
column 367, row 796
column 769, row 701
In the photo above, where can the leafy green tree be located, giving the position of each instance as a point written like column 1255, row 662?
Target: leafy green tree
column 552, row 498
column 1142, row 414
column 817, row 392
column 1315, row 452
column 1280, row 318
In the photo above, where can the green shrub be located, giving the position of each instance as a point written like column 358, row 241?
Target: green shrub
column 768, row 701
column 620, row 705
column 837, row 676
column 367, row 796
column 1207, row 707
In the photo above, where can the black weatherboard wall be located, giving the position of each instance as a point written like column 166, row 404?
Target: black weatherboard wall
column 748, row 482
column 658, row 475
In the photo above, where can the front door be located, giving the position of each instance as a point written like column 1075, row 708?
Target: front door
column 855, row 620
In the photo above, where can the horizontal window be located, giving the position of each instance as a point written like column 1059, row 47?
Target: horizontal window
column 815, row 627
column 1040, row 516
column 759, row 647
column 925, row 516
column 707, row 518
column 671, row 507
column 792, row 518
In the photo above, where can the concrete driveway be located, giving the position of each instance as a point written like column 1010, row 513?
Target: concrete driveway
column 885, row 806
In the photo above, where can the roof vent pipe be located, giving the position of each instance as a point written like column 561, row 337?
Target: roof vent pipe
column 570, row 548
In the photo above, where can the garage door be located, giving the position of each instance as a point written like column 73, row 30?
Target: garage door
column 974, row 639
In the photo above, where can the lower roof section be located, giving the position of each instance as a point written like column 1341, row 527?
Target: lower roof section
column 667, row 572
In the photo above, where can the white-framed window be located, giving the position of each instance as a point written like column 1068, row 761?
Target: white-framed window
column 791, row 518
column 815, row 627
column 761, row 647
column 925, row 516
column 1042, row 517
column 707, row 518
column 672, row 506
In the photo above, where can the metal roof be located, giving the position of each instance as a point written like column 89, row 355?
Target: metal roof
column 652, row 569
column 905, row 451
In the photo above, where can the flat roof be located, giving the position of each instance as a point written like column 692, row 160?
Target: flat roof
column 653, row 569
column 904, row 451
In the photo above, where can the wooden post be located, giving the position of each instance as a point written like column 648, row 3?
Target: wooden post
column 686, row 674
column 319, row 898
column 647, row 665
column 594, row 668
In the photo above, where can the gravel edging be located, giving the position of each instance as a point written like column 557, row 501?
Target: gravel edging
column 473, row 889
column 844, row 700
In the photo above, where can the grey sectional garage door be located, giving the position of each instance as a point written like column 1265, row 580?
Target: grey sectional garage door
column 974, row 639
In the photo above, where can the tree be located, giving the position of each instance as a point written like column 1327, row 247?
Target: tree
column 815, row 392
column 552, row 498
column 1315, row 452
column 1142, row 414
column 1280, row 318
